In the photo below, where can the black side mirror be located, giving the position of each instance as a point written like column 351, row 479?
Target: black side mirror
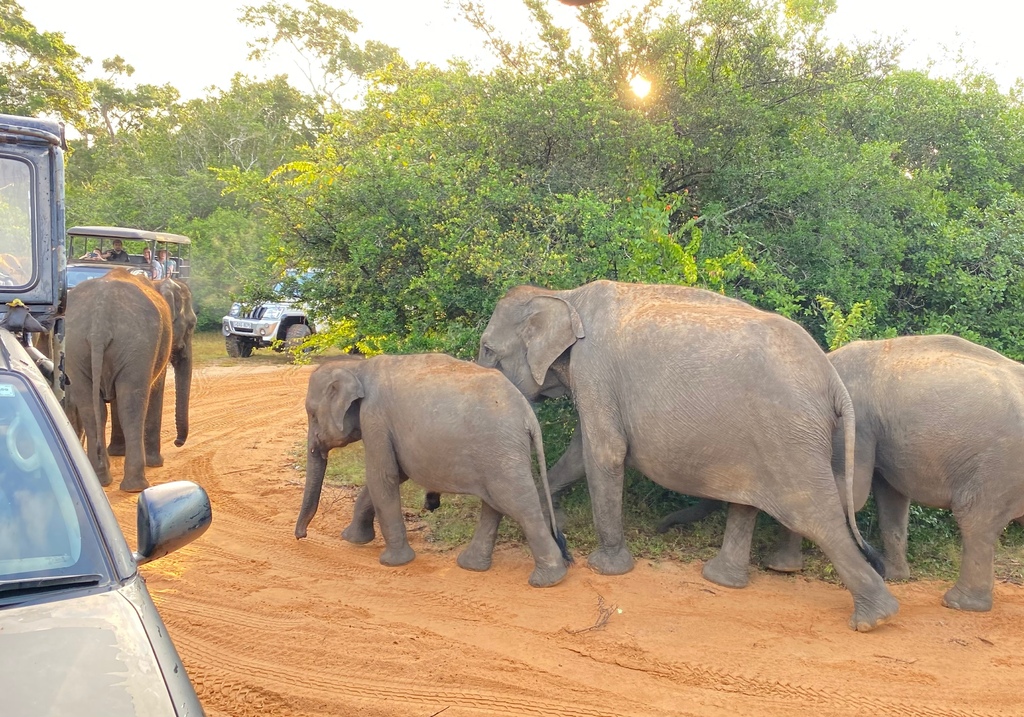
column 170, row 516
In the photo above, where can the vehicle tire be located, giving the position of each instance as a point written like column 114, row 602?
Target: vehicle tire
column 294, row 335
column 237, row 348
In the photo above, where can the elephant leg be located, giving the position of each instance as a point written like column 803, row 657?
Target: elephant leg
column 604, row 453
column 154, row 421
column 477, row 555
column 730, row 568
column 518, row 499
column 132, row 407
column 116, row 445
column 383, row 479
column 893, row 520
column 94, row 423
column 980, row 527
column 814, row 510
column 568, row 469
column 693, row 514
column 788, row 556
column 360, row 530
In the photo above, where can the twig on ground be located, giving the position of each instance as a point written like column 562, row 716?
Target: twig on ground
column 439, row 711
column 604, row 614
column 897, row 659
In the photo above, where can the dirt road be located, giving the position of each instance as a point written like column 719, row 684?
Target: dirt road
column 267, row 625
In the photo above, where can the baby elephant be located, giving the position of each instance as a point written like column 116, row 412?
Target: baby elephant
column 449, row 425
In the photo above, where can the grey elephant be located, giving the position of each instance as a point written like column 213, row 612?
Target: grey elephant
column 939, row 422
column 118, row 342
column 448, row 425
column 183, row 326
column 709, row 398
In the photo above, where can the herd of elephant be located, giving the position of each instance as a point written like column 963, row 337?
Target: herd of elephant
column 122, row 331
column 705, row 395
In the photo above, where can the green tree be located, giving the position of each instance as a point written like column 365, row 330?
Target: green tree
column 39, row 71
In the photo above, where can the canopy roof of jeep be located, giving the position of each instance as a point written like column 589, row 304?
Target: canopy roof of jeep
column 129, row 234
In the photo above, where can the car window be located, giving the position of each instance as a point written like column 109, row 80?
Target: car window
column 44, row 526
column 15, row 222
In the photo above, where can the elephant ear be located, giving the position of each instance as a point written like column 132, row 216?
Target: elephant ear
column 343, row 394
column 552, row 327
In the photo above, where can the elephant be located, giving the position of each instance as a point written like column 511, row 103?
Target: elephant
column 939, row 423
column 183, row 326
column 705, row 396
column 119, row 339
column 449, row 425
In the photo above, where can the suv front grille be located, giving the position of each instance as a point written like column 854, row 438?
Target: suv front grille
column 256, row 314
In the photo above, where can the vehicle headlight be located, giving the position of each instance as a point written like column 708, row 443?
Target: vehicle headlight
column 272, row 312
column 236, row 309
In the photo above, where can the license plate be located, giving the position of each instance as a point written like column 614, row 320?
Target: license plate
column 243, row 325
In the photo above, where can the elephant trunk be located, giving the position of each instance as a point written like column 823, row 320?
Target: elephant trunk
column 182, row 363
column 316, row 467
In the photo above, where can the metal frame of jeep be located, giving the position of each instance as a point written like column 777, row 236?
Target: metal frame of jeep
column 84, row 240
column 32, row 272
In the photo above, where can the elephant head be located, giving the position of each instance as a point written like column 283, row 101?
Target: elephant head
column 183, row 321
column 332, row 410
column 528, row 331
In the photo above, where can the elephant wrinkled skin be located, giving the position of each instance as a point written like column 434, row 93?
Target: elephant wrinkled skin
column 120, row 336
column 450, row 426
column 705, row 396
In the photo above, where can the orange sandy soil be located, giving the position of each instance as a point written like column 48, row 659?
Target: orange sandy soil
column 267, row 625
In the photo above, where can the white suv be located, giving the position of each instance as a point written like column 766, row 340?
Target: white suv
column 280, row 325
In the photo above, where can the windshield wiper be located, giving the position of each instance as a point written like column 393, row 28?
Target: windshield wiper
column 29, row 586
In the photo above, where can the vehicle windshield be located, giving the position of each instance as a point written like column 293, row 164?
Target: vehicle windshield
column 46, row 532
column 15, row 222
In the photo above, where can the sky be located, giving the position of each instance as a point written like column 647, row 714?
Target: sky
column 197, row 44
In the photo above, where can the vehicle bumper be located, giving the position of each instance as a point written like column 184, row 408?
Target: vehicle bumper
column 263, row 331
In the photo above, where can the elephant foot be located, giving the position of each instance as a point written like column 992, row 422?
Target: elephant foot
column 105, row 478
column 154, row 461
column 785, row 562
column 134, row 485
column 896, row 571
column 959, row 599
column 470, row 560
column 115, row 449
column 545, row 576
column 393, row 557
column 721, row 572
column 358, row 534
column 611, row 561
column 869, row 614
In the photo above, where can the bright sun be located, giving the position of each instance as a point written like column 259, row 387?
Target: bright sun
column 640, row 85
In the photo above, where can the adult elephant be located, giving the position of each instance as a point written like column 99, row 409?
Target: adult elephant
column 714, row 399
column 118, row 342
column 183, row 327
column 939, row 422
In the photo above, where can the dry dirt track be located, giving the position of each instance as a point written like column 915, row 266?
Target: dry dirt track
column 267, row 625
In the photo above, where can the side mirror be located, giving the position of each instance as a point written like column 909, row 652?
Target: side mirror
column 170, row 516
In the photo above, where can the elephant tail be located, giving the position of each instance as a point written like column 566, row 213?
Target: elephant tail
column 97, row 348
column 844, row 410
column 533, row 427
